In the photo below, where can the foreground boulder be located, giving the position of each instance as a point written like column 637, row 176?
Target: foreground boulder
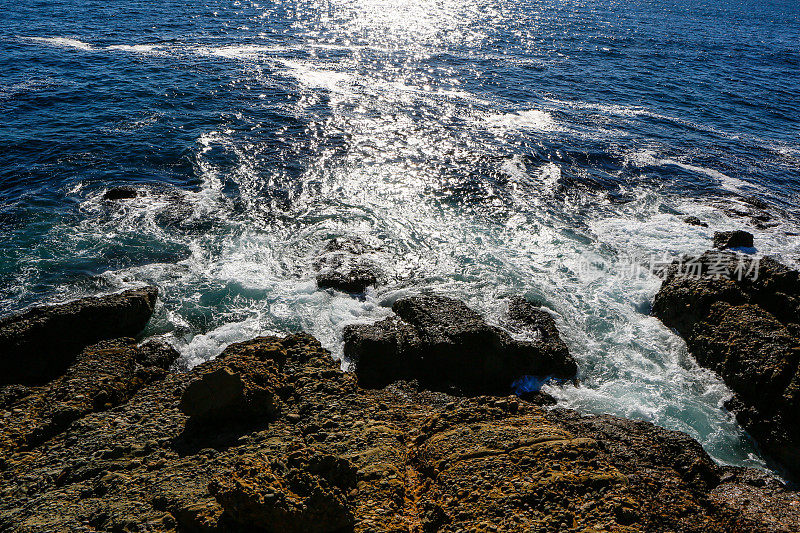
column 337, row 457
column 444, row 343
column 103, row 376
column 741, row 318
column 39, row 344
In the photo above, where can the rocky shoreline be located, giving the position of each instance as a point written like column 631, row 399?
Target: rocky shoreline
column 741, row 318
column 423, row 436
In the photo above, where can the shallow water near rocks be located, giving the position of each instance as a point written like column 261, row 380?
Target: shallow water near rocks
column 481, row 148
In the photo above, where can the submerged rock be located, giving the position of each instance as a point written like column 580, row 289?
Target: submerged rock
column 442, row 343
column 344, row 267
column 694, row 221
column 733, row 239
column 337, row 457
column 741, row 318
column 40, row 343
column 120, row 193
column 355, row 280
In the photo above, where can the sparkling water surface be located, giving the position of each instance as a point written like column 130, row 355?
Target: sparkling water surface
column 481, row 148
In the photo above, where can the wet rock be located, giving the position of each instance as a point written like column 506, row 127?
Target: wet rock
column 694, row 221
column 120, row 193
column 442, row 342
column 747, row 329
column 400, row 458
column 157, row 353
column 733, row 239
column 40, row 344
column 355, row 280
column 343, row 266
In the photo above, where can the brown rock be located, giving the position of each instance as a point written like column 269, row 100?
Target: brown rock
column 396, row 459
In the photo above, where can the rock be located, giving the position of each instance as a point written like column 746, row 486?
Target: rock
column 694, row 221
column 120, row 193
column 747, row 330
column 355, row 280
column 733, row 239
column 39, row 344
column 303, row 491
column 157, row 353
column 400, row 458
column 104, row 375
column 442, row 342
column 344, row 267
column 239, row 391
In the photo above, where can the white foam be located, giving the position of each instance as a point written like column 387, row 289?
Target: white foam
column 533, row 119
column 312, row 76
column 138, row 48
column 648, row 157
column 64, row 42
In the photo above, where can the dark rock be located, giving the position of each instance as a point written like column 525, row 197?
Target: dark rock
column 392, row 459
column 355, row 280
column 39, row 344
column 442, row 342
column 747, row 329
column 694, row 221
column 733, row 239
column 343, row 266
column 537, row 398
column 756, row 202
column 157, row 353
column 120, row 193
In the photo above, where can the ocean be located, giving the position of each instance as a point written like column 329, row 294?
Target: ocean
column 479, row 148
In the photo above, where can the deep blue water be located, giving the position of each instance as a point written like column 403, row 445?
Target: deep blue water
column 483, row 147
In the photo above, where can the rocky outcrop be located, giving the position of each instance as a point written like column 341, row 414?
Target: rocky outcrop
column 444, row 343
column 103, row 376
column 41, row 343
column 741, row 318
column 353, row 280
column 333, row 456
column 733, row 239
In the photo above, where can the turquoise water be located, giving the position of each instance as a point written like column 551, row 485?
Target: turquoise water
column 482, row 148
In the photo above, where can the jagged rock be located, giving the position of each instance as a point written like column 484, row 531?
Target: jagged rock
column 396, row 459
column 157, row 353
column 242, row 390
column 733, row 239
column 694, row 221
column 104, row 375
column 120, row 193
column 354, row 280
column 302, row 492
column 442, row 342
column 747, row 329
column 39, row 344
